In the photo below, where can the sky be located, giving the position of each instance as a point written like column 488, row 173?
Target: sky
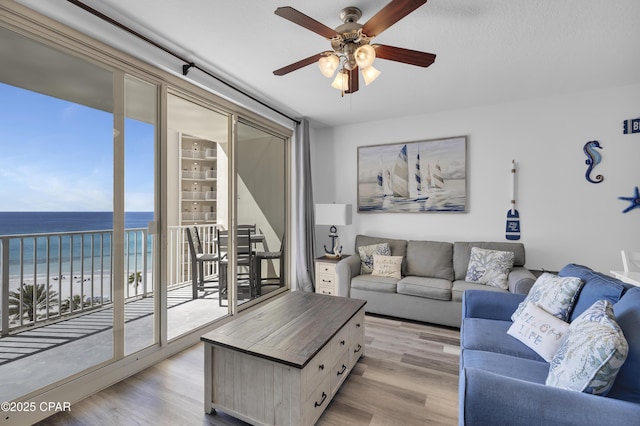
column 57, row 155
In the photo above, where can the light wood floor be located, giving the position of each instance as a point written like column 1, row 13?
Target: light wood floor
column 408, row 376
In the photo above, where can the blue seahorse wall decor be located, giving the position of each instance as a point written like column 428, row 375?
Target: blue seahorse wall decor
column 593, row 159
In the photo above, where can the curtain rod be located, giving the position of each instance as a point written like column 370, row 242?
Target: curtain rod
column 188, row 64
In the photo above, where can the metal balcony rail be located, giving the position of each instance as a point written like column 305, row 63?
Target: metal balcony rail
column 51, row 276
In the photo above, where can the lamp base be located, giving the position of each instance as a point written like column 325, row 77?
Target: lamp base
column 332, row 255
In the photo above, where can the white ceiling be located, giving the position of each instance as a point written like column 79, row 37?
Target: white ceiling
column 488, row 51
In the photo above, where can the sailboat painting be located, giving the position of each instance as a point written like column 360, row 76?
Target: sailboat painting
column 421, row 176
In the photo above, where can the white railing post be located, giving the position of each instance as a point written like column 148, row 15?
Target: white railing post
column 4, row 296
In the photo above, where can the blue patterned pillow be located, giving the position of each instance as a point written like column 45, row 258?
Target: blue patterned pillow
column 554, row 294
column 490, row 267
column 591, row 352
column 366, row 255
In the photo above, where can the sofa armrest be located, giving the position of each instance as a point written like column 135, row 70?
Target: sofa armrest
column 490, row 304
column 490, row 399
column 346, row 269
column 521, row 280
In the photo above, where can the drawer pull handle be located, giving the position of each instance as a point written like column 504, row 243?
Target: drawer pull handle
column 357, row 325
column 342, row 370
column 326, row 292
column 358, row 349
column 342, row 342
column 324, row 397
column 321, row 367
column 326, row 281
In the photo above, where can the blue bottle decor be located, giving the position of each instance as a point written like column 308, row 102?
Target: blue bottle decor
column 593, row 159
column 635, row 201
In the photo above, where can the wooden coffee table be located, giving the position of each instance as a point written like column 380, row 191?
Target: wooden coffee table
column 282, row 363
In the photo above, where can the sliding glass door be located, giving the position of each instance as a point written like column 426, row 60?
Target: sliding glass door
column 196, row 164
column 57, row 219
column 141, row 275
column 261, row 185
column 124, row 193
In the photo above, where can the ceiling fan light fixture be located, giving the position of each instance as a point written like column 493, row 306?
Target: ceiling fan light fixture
column 369, row 74
column 328, row 65
column 341, row 81
column 365, row 55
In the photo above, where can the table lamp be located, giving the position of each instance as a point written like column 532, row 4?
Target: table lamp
column 334, row 215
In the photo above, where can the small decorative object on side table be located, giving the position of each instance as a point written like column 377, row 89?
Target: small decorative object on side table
column 326, row 279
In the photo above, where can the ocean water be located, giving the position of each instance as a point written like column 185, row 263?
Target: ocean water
column 72, row 256
column 14, row 223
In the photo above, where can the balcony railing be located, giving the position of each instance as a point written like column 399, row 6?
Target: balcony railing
column 48, row 277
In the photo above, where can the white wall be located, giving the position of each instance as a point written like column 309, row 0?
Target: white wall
column 564, row 218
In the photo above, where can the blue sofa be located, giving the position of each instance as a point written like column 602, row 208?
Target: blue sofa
column 502, row 381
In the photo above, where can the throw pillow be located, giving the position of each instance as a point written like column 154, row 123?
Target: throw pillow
column 554, row 294
column 539, row 330
column 590, row 353
column 366, row 255
column 387, row 266
column 490, row 267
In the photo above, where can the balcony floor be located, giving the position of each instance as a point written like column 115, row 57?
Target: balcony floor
column 40, row 356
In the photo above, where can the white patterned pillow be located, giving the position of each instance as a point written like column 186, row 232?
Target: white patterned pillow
column 490, row 267
column 539, row 330
column 387, row 266
column 366, row 255
column 590, row 353
column 554, row 294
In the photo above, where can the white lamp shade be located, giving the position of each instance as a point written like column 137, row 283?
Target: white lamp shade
column 369, row 74
column 341, row 82
column 333, row 214
column 365, row 55
column 328, row 65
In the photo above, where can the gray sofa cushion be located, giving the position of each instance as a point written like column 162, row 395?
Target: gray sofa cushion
column 460, row 286
column 432, row 288
column 398, row 247
column 462, row 251
column 374, row 283
column 432, row 259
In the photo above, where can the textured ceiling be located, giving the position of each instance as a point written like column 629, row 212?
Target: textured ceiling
column 488, row 51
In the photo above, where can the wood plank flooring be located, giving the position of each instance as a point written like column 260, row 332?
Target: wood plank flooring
column 408, row 376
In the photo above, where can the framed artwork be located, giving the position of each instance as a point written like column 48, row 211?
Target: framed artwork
column 421, row 176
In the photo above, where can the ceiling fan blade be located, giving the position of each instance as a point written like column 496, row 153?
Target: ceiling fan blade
column 297, row 65
column 407, row 56
column 305, row 21
column 389, row 15
column 354, row 79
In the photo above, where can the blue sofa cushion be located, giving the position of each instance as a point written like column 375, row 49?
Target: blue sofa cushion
column 506, row 365
column 491, row 336
column 627, row 383
column 596, row 286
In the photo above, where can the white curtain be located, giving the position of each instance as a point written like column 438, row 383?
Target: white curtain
column 306, row 237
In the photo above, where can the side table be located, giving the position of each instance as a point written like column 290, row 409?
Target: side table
column 326, row 279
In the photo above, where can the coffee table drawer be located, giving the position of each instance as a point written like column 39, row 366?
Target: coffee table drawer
column 339, row 372
column 339, row 343
column 317, row 402
column 317, row 370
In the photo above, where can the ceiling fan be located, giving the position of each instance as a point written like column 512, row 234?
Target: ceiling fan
column 351, row 44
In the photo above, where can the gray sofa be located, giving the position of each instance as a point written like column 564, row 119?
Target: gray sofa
column 433, row 279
